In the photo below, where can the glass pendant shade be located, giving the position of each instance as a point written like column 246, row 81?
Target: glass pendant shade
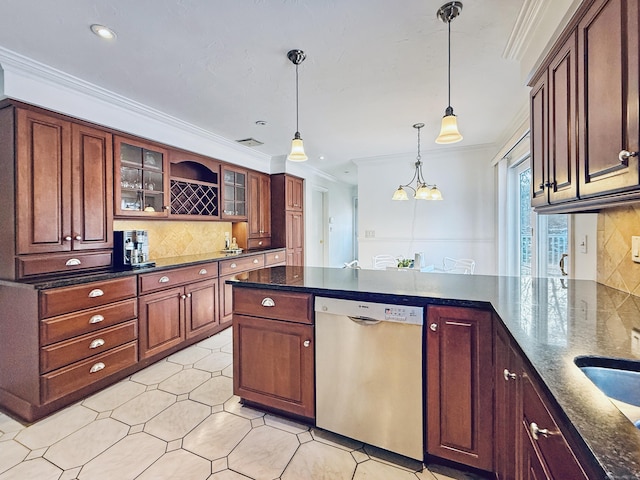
column 435, row 194
column 400, row 194
column 423, row 193
column 297, row 150
column 449, row 129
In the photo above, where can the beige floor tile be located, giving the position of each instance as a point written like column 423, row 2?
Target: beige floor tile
column 214, row 362
column 264, row 453
column 440, row 472
column 8, row 424
column 126, row 459
column 114, row 396
column 70, row 474
column 176, row 465
column 86, row 443
column 425, row 475
column 215, row 391
column 156, row 373
column 144, row 407
column 335, row 439
column 219, row 465
column 38, row 469
column 317, row 461
column 11, row 454
column 394, row 459
column 189, row 355
column 233, row 405
column 373, row 470
column 285, row 424
column 177, row 420
column 216, row 342
column 184, row 381
column 37, row 453
column 54, row 428
column 217, row 436
column 228, row 372
column 304, row 437
column 359, row 456
column 227, row 475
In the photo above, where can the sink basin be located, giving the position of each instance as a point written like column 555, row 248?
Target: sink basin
column 616, row 378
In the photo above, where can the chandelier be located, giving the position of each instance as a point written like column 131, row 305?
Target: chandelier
column 422, row 190
column 297, row 147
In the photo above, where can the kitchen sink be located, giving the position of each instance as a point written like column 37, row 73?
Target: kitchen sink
column 618, row 379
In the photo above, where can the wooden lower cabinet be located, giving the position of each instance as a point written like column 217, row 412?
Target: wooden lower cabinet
column 459, row 399
column 273, row 359
column 201, row 311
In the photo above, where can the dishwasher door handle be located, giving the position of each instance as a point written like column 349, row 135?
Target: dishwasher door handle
column 364, row 321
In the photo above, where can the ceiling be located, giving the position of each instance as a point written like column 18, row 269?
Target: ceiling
column 373, row 67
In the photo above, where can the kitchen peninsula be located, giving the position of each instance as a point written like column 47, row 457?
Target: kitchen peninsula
column 542, row 323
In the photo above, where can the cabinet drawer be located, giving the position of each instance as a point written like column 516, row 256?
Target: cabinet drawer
column 87, row 295
column 255, row 243
column 70, row 351
column 289, row 306
column 78, row 375
column 275, row 258
column 151, row 282
column 67, row 326
column 553, row 447
column 242, row 264
column 29, row 266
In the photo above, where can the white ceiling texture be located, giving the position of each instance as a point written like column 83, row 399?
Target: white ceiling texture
column 373, row 67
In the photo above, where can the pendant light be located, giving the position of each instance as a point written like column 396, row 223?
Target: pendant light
column 449, row 129
column 297, row 148
column 422, row 190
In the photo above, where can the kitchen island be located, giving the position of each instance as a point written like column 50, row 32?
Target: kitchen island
column 550, row 322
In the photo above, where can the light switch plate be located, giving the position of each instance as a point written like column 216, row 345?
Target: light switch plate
column 635, row 249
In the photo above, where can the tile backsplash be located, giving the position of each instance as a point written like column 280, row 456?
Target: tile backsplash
column 616, row 226
column 172, row 239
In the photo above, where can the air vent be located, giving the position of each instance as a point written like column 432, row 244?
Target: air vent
column 249, row 142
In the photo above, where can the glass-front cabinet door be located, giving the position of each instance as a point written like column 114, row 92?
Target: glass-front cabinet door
column 235, row 193
column 140, row 177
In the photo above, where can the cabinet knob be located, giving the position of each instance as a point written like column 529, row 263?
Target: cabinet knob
column 255, row 260
column 166, row 207
column 96, row 292
column 259, row 243
column 183, row 296
column 163, row 279
column 434, row 327
column 77, row 238
column 536, row 431
column 233, row 265
column 541, row 186
column 268, row 302
column 203, row 271
column 277, row 257
column 96, row 319
column 508, row 375
column 97, row 367
column 188, row 295
column 98, row 342
column 306, row 343
column 68, row 238
column 72, row 262
column 625, row 155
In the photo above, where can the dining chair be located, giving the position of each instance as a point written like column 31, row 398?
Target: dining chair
column 458, row 265
column 381, row 262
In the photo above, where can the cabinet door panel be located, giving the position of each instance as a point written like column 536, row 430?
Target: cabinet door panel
column 92, row 166
column 459, row 393
column 608, row 102
column 202, row 308
column 539, row 142
column 161, row 320
column 43, row 186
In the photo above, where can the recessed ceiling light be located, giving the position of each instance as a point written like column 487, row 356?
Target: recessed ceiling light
column 103, row 32
column 261, row 122
column 321, row 157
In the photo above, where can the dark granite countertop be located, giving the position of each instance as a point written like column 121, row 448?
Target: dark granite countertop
column 63, row 280
column 552, row 320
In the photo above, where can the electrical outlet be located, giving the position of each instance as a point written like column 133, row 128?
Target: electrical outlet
column 635, row 249
column 369, row 234
column 583, row 244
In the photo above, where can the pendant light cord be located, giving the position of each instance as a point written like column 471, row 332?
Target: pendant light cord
column 449, row 64
column 297, row 107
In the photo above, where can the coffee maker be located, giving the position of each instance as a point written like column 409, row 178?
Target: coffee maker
column 131, row 249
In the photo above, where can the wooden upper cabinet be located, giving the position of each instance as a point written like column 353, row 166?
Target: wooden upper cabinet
column 608, row 78
column 553, row 126
column 194, row 186
column 234, row 193
column 141, row 178
column 43, row 165
column 259, row 212
column 92, row 188
column 294, row 193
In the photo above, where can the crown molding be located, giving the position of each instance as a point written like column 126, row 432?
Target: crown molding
column 15, row 64
column 526, row 23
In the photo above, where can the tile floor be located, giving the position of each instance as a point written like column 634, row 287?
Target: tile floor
column 179, row 419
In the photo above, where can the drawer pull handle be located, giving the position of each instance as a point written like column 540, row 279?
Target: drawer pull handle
column 434, row 327
column 306, row 343
column 255, row 260
column 72, row 262
column 536, row 431
column 98, row 342
column 96, row 319
column 277, row 257
column 268, row 302
column 97, row 367
column 163, row 279
column 96, row 292
column 625, row 155
column 233, row 265
column 260, row 242
column 203, row 271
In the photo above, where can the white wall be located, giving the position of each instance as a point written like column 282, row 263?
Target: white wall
column 462, row 225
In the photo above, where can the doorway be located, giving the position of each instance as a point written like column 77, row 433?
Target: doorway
column 316, row 243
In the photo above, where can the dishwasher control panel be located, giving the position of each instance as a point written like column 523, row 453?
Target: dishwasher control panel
column 370, row 310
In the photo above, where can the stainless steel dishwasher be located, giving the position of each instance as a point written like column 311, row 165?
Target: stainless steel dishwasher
column 369, row 373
